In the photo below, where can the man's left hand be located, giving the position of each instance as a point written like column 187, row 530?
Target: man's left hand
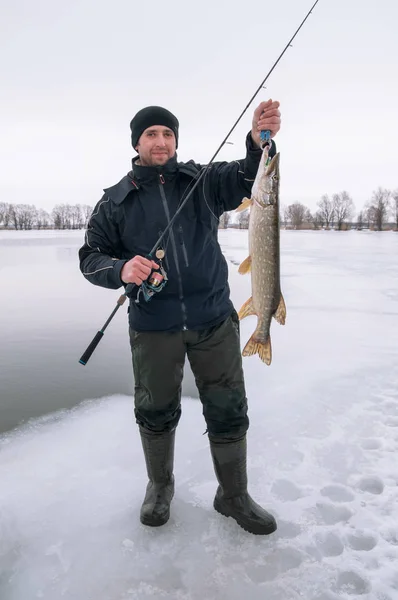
column 266, row 116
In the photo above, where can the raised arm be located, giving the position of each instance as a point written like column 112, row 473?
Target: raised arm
column 232, row 181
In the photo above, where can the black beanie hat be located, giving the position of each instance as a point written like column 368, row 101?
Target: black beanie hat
column 149, row 116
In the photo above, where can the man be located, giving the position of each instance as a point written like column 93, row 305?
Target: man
column 192, row 315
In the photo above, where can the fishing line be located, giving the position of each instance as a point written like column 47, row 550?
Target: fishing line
column 130, row 286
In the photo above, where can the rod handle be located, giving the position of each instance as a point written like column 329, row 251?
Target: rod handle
column 90, row 348
column 129, row 288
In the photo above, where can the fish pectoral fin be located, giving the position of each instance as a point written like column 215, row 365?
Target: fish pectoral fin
column 280, row 313
column 263, row 349
column 245, row 266
column 246, row 203
column 247, row 309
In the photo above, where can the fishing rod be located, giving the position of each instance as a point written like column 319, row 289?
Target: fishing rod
column 264, row 137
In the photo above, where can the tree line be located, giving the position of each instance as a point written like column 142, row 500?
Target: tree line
column 27, row 216
column 336, row 211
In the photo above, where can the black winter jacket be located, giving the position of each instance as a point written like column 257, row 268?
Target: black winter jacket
column 132, row 214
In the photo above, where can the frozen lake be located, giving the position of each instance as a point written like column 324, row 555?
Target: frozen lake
column 322, row 449
column 48, row 315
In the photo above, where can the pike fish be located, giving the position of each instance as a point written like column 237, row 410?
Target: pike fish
column 264, row 258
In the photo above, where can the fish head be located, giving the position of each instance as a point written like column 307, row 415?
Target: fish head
column 266, row 186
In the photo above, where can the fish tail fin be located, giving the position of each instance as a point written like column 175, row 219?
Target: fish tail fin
column 263, row 349
column 247, row 309
column 280, row 313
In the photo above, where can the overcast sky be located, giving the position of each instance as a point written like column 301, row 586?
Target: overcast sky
column 74, row 73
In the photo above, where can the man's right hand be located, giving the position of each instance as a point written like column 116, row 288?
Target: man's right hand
column 137, row 270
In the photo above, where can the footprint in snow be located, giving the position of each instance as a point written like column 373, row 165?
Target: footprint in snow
column 391, row 422
column 361, row 541
column 373, row 485
column 291, row 460
column 274, row 565
column 329, row 544
column 337, row 493
column 352, row 584
column 330, row 514
column 371, row 444
column 391, row 536
column 287, row 530
column 286, row 490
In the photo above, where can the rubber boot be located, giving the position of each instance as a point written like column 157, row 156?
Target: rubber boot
column 159, row 458
column 232, row 498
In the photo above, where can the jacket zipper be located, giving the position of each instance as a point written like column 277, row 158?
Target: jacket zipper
column 175, row 253
column 184, row 250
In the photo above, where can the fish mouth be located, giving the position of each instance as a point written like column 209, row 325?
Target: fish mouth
column 274, row 165
column 267, row 195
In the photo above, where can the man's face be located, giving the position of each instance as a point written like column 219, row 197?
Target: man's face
column 156, row 146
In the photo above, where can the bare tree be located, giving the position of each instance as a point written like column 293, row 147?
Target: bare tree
column 367, row 214
column 23, row 216
column 326, row 210
column 318, row 221
column 379, row 207
column 283, row 215
column 86, row 213
column 62, row 216
column 224, row 220
column 4, row 214
column 28, row 216
column 56, row 216
column 395, row 207
column 297, row 213
column 14, row 216
column 286, row 215
column 76, row 217
column 69, row 216
column 308, row 218
column 42, row 219
column 343, row 209
column 243, row 219
column 360, row 220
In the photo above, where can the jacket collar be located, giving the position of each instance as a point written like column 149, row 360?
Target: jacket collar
column 139, row 174
column 142, row 174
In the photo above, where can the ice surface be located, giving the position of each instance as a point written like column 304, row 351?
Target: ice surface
column 322, row 456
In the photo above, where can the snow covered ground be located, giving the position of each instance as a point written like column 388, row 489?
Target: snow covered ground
column 323, row 443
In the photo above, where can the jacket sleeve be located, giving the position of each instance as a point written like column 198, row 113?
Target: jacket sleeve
column 98, row 257
column 232, row 181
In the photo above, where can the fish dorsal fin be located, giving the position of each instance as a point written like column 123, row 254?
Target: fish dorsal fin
column 245, row 266
column 280, row 313
column 246, row 203
column 247, row 309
